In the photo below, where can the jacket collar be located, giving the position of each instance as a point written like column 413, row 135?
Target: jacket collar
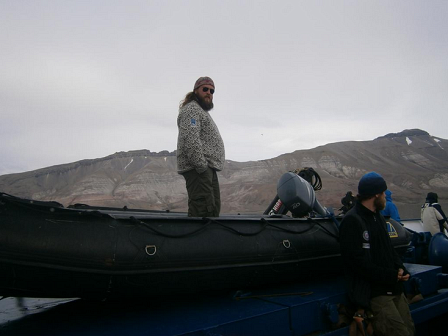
column 362, row 209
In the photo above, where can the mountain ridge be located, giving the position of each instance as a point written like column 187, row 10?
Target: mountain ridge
column 412, row 162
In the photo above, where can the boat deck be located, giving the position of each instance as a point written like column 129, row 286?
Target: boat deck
column 297, row 309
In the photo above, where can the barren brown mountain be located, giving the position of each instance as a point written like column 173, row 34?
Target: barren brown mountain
column 412, row 162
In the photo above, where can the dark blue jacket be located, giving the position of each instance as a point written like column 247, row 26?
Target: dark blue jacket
column 370, row 261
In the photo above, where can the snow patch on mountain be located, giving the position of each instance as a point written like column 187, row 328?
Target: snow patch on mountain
column 132, row 160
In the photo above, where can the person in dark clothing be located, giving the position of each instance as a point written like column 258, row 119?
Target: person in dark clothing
column 373, row 270
column 433, row 218
column 390, row 209
column 347, row 202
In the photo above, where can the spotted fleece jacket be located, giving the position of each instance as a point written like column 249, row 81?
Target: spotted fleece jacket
column 199, row 144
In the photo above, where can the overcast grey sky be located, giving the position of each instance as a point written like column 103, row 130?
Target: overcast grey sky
column 85, row 79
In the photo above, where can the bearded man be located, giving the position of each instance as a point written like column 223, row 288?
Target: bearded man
column 374, row 272
column 200, row 150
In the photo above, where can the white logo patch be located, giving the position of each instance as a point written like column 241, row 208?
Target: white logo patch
column 365, row 235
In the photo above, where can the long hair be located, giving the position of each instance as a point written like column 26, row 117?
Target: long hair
column 190, row 96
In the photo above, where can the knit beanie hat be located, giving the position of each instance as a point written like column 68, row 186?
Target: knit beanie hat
column 432, row 198
column 371, row 184
column 203, row 81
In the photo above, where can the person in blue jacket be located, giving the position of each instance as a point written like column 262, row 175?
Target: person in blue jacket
column 390, row 209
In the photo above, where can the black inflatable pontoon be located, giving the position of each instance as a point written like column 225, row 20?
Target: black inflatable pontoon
column 47, row 250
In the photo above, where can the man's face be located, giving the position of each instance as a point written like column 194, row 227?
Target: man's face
column 380, row 201
column 205, row 97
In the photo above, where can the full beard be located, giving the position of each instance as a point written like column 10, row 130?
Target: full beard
column 379, row 203
column 206, row 106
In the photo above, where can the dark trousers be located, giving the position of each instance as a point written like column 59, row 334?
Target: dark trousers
column 204, row 198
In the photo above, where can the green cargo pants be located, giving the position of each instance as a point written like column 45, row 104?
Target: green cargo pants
column 204, row 198
column 391, row 316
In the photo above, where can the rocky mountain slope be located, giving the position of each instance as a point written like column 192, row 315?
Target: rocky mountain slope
column 412, row 162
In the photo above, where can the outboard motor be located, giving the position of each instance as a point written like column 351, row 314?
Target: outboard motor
column 298, row 196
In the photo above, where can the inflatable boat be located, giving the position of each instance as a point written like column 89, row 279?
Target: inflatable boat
column 47, row 250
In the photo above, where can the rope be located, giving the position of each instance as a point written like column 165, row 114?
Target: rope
column 167, row 235
column 210, row 221
column 311, row 176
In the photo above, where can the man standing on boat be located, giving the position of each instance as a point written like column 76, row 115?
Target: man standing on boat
column 200, row 150
column 373, row 269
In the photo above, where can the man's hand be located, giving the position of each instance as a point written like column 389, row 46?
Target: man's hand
column 402, row 277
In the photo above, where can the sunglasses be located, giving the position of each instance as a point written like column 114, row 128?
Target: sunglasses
column 205, row 89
